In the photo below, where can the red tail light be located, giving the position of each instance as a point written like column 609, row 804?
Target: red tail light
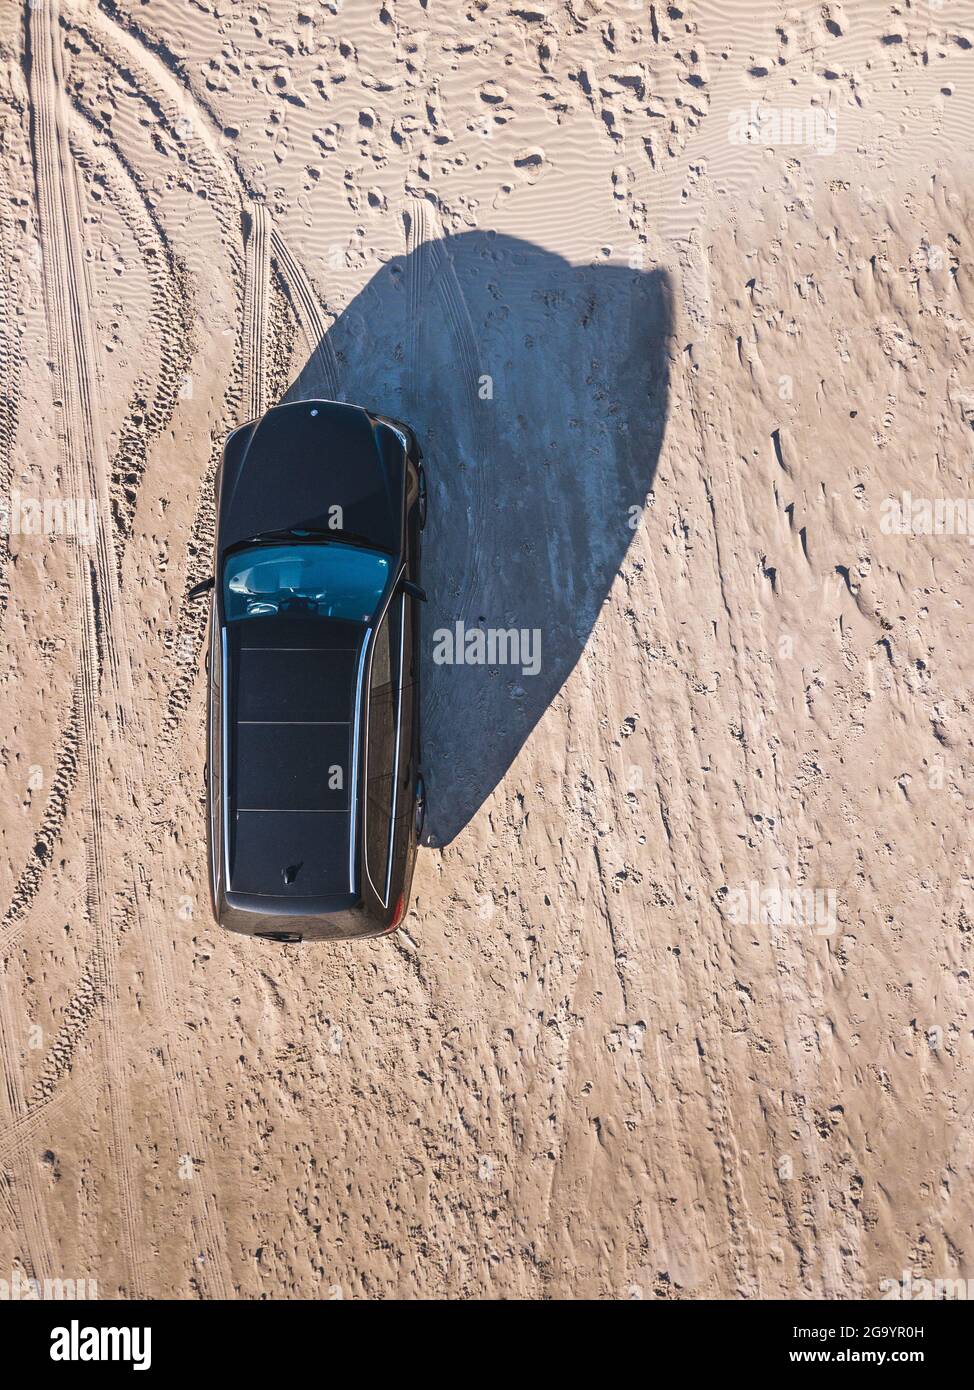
column 397, row 916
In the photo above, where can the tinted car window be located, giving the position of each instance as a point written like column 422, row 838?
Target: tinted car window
column 380, row 751
column 409, row 654
column 328, row 581
column 381, row 658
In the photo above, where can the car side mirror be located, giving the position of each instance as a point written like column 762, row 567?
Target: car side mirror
column 414, row 591
column 198, row 590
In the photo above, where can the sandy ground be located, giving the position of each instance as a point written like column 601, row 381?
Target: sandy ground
column 678, row 298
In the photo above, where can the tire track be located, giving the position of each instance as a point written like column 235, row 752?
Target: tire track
column 105, row 685
column 151, row 81
column 49, row 831
column 724, row 502
column 80, row 1009
column 26, row 1213
column 184, row 1111
column 25, row 1129
column 154, row 402
column 18, row 1122
column 191, row 618
column 185, row 1108
column 308, row 312
column 689, row 869
column 284, row 332
column 430, row 270
column 182, row 1094
column 28, row 1209
column 168, row 295
column 192, row 624
column 257, row 288
column 698, row 1068
column 9, row 1209
column 9, row 378
column 418, row 272
column 791, row 961
column 171, row 77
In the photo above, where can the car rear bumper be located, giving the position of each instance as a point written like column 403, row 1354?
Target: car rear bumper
column 303, row 919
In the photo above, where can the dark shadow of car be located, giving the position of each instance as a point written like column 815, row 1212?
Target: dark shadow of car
column 539, row 390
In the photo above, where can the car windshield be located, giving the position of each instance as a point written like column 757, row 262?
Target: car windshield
column 327, row 581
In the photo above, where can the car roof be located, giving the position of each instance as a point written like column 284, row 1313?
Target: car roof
column 290, row 729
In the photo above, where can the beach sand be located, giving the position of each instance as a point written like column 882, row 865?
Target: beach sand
column 679, row 301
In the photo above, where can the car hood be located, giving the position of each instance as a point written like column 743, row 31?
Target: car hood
column 303, row 460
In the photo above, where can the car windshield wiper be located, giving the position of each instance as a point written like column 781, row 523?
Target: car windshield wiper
column 307, row 533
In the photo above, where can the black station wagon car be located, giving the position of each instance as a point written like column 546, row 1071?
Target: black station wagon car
column 315, row 797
